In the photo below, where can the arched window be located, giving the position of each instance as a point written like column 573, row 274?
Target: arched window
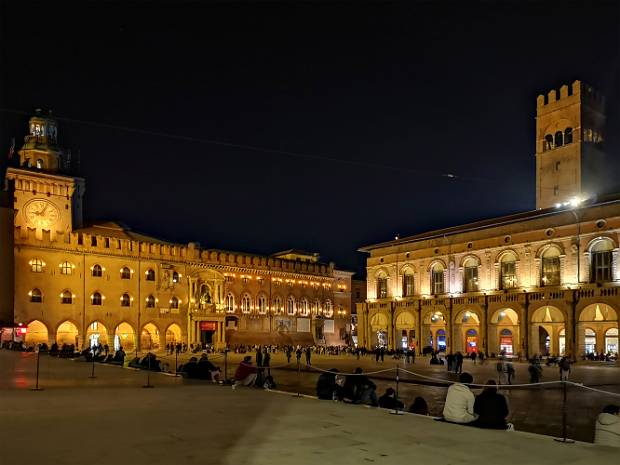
column 36, row 265
column 66, row 268
column 277, row 305
column 36, row 296
column 601, row 260
column 149, row 275
column 559, row 139
column 261, row 303
column 246, row 304
column 174, row 302
column 408, row 290
column 382, row 286
column 437, row 285
column 125, row 300
column 150, row 302
column 550, row 269
column 175, row 277
column 230, row 303
column 67, row 297
column 611, row 341
column 39, row 164
column 290, row 305
column 125, row 273
column 96, row 299
column 568, row 136
column 470, row 275
column 97, row 271
column 304, row 307
column 328, row 309
column 508, row 271
column 548, row 143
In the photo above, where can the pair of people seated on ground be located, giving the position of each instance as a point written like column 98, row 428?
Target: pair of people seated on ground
column 117, row 359
column 330, row 385
column 359, row 389
column 389, row 400
column 488, row 410
column 607, row 429
column 200, row 369
column 249, row 375
column 148, row 362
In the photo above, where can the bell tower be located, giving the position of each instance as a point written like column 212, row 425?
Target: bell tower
column 45, row 197
column 569, row 133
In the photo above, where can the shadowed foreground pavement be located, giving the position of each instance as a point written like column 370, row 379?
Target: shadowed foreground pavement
column 114, row 420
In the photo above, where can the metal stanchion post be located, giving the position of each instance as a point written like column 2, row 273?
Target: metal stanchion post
column 298, row 374
column 148, row 375
column 36, row 387
column 564, row 439
column 176, row 363
column 396, row 410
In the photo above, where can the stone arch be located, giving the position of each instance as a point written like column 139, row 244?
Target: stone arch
column 466, row 321
column 434, row 331
column 602, row 238
column 467, row 257
column 379, row 321
column 507, row 251
column 550, row 245
column 173, row 334
column 600, row 318
column 96, row 333
column 379, row 329
column 504, row 331
column 125, row 337
column 405, row 326
column 36, row 333
column 149, row 337
column 67, row 333
column 546, row 323
column 434, row 262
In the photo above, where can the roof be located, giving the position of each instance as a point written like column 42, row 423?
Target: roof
column 295, row 252
column 484, row 224
column 118, row 230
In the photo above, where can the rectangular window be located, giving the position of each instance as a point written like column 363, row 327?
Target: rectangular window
column 407, row 285
column 601, row 266
column 437, row 281
column 550, row 271
column 509, row 275
column 382, row 291
column 470, row 277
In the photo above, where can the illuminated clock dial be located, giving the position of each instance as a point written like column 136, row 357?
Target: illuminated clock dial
column 41, row 213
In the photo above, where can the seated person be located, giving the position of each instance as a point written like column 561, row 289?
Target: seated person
column 389, row 400
column 419, row 406
column 360, row 389
column 206, row 369
column 326, row 385
column 459, row 406
column 189, row 369
column 607, row 432
column 491, row 408
column 246, row 373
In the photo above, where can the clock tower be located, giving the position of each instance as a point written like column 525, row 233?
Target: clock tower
column 46, row 197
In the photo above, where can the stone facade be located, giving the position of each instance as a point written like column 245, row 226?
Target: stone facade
column 545, row 281
column 104, row 282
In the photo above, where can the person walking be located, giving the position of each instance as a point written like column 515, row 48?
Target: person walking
column 259, row 357
column 308, row 356
column 458, row 369
column 382, row 353
column 564, row 368
column 510, row 371
column 266, row 358
column 535, row 371
column 499, row 367
column 289, row 354
column 298, row 355
column 377, row 354
column 607, row 428
column 450, row 361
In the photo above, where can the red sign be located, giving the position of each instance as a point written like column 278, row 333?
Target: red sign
column 207, row 325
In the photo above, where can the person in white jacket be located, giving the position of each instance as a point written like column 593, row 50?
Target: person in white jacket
column 607, row 432
column 459, row 406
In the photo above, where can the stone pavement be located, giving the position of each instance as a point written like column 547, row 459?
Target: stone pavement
column 112, row 419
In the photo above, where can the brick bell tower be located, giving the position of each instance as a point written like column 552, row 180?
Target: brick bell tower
column 570, row 161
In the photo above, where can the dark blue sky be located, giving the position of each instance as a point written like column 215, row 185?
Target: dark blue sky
column 402, row 92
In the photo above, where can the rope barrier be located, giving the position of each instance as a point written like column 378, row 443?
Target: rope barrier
column 583, row 386
column 447, row 381
column 352, row 374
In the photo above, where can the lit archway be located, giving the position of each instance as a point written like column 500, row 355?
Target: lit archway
column 149, row 339
column 173, row 334
column 467, row 331
column 546, row 324
column 405, row 330
column 67, row 333
column 379, row 328
column 434, row 330
column 504, row 332
column 36, row 333
column 593, row 329
column 96, row 334
column 125, row 337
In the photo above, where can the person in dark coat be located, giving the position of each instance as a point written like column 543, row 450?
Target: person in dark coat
column 419, row 406
column 259, row 357
column 326, row 387
column 308, row 356
column 360, row 389
column 389, row 400
column 189, row 369
column 491, row 408
column 458, row 358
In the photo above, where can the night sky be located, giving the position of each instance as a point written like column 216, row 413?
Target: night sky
column 400, row 93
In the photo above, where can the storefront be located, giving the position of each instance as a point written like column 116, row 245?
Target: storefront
column 471, row 341
column 506, row 342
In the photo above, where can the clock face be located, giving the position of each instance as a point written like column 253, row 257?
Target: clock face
column 41, row 213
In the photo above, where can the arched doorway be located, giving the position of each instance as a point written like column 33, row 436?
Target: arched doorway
column 67, row 333
column 124, row 336
column 96, row 334
column 611, row 341
column 595, row 321
column 173, row 334
column 36, row 333
column 562, row 341
column 149, row 339
column 379, row 330
column 546, row 324
column 405, row 331
column 504, row 332
column 434, row 330
column 466, row 332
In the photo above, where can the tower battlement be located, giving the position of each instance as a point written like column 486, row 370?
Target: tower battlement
column 578, row 91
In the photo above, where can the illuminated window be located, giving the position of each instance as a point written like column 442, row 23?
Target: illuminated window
column 125, row 300
column 125, row 273
column 470, row 275
column 39, row 164
column 67, row 298
column 508, row 271
column 150, row 275
column 550, row 273
column 174, row 303
column 437, row 284
column 246, row 303
column 96, row 299
column 304, row 307
column 175, row 277
column 36, row 265
column 290, row 306
column 601, row 261
column 328, row 309
column 407, row 284
column 66, row 268
column 230, row 303
column 277, row 305
column 150, row 302
column 262, row 304
column 36, row 296
column 97, row 271
column 382, row 287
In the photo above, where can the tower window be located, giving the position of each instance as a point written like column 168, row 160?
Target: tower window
column 150, row 302
column 559, row 139
column 96, row 299
column 67, row 298
column 568, row 136
column 150, row 275
column 97, row 271
column 36, row 265
column 548, row 144
column 66, row 268
column 174, row 302
column 125, row 300
column 125, row 273
column 36, row 296
column 39, row 164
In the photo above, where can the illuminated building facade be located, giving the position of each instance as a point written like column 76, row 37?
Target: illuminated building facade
column 545, row 281
column 105, row 283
